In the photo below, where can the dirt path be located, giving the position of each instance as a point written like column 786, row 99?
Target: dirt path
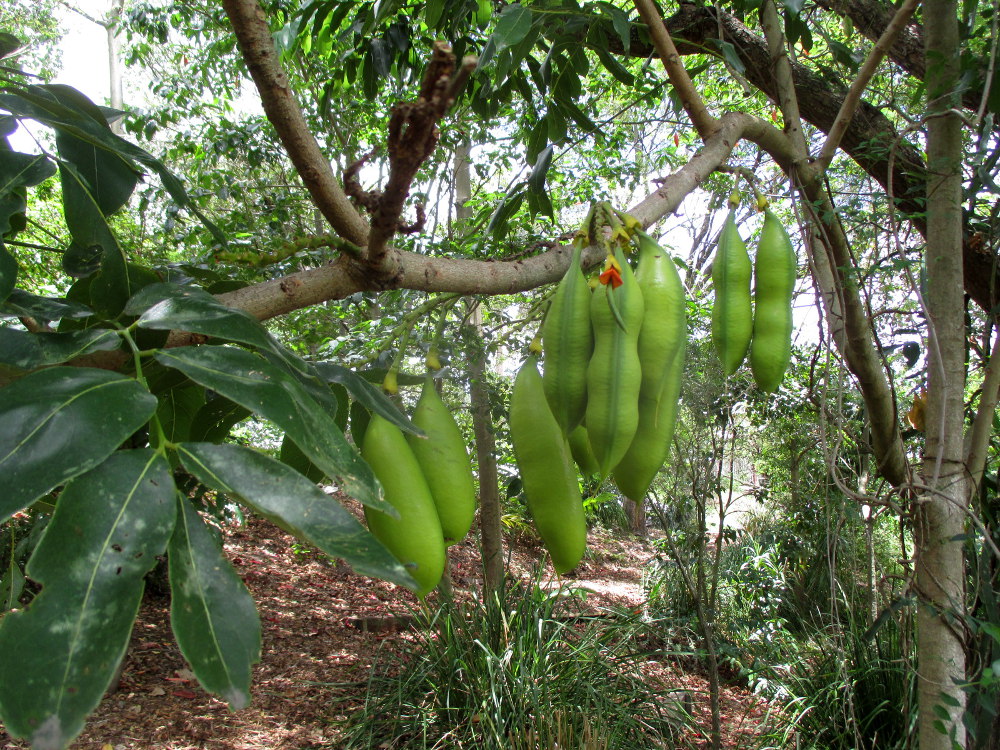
column 322, row 629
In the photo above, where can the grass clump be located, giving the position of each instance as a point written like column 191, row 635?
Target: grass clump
column 508, row 673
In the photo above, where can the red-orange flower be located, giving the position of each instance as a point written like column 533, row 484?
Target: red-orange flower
column 612, row 273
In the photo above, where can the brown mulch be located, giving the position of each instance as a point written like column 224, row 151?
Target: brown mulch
column 323, row 627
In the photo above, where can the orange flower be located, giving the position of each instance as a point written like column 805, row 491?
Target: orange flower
column 612, row 273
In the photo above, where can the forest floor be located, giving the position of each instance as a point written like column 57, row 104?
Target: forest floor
column 323, row 629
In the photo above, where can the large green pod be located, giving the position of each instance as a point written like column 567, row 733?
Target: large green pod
column 664, row 320
column 651, row 444
column 732, row 316
column 547, row 472
column 568, row 341
column 445, row 462
column 774, row 285
column 415, row 537
column 614, row 374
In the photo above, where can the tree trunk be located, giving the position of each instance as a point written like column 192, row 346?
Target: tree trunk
column 117, row 98
column 636, row 513
column 941, row 505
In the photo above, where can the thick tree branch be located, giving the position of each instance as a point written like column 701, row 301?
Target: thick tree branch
column 254, row 38
column 853, row 98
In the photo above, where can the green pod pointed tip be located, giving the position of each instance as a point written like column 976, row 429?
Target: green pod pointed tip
column 445, row 462
column 732, row 314
column 415, row 537
column 774, row 286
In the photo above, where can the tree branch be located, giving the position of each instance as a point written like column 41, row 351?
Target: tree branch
column 693, row 104
column 864, row 76
column 254, row 38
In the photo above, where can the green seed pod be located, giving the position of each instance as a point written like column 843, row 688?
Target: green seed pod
column 415, row 537
column 732, row 317
column 664, row 325
column 651, row 445
column 614, row 374
column 568, row 341
column 583, row 454
column 445, row 463
column 774, row 285
column 547, row 472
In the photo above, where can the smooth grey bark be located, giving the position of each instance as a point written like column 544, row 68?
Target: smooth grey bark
column 942, row 502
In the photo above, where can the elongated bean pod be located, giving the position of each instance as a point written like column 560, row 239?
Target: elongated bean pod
column 614, row 374
column 415, row 537
column 664, row 325
column 651, row 444
column 583, row 454
column 774, row 285
column 568, row 341
column 547, row 472
column 732, row 316
column 445, row 463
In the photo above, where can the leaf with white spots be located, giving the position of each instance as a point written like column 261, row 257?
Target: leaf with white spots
column 212, row 614
column 284, row 496
column 64, row 647
column 58, row 423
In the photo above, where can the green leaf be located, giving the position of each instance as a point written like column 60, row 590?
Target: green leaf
column 367, row 394
column 212, row 614
column 168, row 307
column 22, row 350
column 615, row 68
column 284, row 496
column 65, row 646
column 9, row 44
column 24, row 304
column 793, row 7
column 269, row 392
column 292, row 456
column 93, row 237
column 60, row 422
column 536, row 180
column 65, row 109
column 11, row 585
column 177, row 409
column 512, row 26
column 729, row 54
column 215, row 420
column 8, row 273
column 500, row 220
column 17, row 172
column 109, row 177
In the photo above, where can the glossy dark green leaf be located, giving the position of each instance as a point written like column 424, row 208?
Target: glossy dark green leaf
column 615, row 68
column 367, row 394
column 109, row 177
column 22, row 350
column 8, row 273
column 17, row 172
column 89, row 228
column 728, row 52
column 272, row 393
column 177, row 409
column 536, row 180
column 108, row 527
column 168, row 307
column 212, row 614
column 284, row 496
column 11, row 585
column 60, row 422
column 65, row 109
column 24, row 304
column 500, row 220
column 215, row 420
column 292, row 456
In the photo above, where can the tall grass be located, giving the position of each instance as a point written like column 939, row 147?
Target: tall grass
column 508, row 674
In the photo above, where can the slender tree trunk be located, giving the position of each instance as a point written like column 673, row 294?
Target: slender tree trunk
column 117, row 98
column 636, row 513
column 941, row 508
column 490, row 527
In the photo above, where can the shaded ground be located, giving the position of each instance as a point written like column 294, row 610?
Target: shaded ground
column 323, row 627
